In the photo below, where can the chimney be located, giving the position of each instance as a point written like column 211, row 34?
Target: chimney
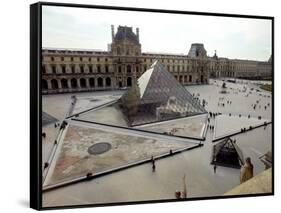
column 138, row 33
column 112, row 32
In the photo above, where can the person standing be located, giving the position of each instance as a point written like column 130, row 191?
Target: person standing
column 153, row 164
column 215, row 168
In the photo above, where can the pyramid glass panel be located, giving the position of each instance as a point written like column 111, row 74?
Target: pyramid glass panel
column 158, row 96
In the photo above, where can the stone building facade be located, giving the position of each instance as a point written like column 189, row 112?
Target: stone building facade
column 72, row 70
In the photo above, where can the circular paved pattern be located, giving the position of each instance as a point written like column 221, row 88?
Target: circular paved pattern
column 99, row 148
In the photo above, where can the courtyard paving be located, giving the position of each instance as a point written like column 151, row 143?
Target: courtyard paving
column 140, row 183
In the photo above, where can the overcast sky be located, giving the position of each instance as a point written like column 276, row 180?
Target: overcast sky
column 66, row 27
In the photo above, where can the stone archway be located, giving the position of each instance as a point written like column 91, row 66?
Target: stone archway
column 129, row 82
column 54, row 84
column 83, row 83
column 100, row 82
column 92, row 82
column 64, row 83
column 108, row 82
column 202, row 79
column 44, row 84
column 73, row 82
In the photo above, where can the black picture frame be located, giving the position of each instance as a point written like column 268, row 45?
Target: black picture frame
column 36, row 101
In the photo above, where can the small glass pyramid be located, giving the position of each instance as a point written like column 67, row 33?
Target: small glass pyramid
column 158, row 96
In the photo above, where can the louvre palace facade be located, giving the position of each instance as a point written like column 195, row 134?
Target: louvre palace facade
column 73, row 70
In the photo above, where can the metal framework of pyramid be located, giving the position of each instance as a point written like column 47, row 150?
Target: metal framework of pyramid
column 158, row 96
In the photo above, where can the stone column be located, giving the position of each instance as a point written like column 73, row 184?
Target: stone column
column 125, row 81
column 87, row 83
column 96, row 82
column 69, row 84
column 59, row 83
column 113, row 83
column 78, row 83
column 103, row 82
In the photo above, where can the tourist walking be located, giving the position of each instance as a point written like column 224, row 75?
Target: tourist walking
column 215, row 168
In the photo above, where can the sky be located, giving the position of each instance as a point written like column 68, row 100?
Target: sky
column 83, row 28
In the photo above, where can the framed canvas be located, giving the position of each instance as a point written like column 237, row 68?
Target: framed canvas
column 139, row 105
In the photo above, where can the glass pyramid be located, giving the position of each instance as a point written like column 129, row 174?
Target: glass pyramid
column 158, row 96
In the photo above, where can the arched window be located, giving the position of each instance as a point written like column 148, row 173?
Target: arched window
column 100, row 82
column 54, row 84
column 83, row 82
column 44, row 84
column 106, row 69
column 64, row 83
column 73, row 82
column 108, row 82
column 119, row 69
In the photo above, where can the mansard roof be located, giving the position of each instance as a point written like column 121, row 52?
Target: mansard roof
column 127, row 33
column 197, row 50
